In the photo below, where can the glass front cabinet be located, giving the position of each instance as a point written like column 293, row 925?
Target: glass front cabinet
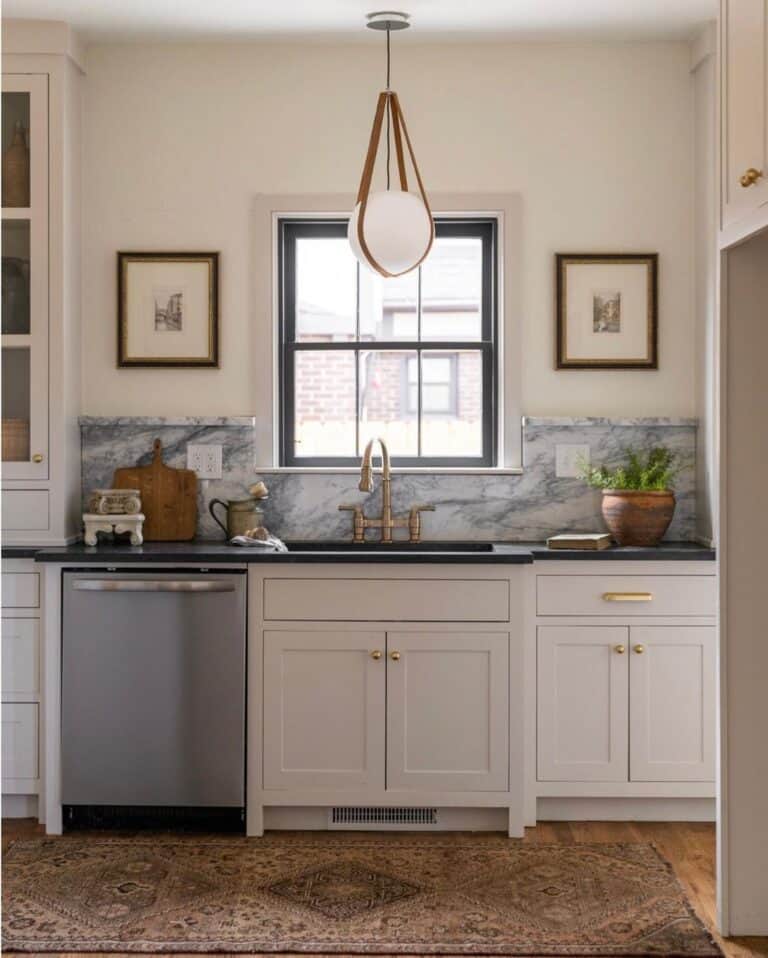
column 25, row 277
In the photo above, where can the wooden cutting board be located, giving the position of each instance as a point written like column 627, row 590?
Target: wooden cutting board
column 168, row 498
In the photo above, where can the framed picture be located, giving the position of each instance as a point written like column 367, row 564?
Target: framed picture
column 167, row 309
column 607, row 310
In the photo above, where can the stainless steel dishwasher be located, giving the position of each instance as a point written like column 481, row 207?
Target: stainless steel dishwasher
column 153, row 693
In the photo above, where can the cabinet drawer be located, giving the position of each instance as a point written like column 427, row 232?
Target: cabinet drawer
column 19, row 741
column 21, row 590
column 21, row 656
column 25, row 510
column 625, row 595
column 397, row 600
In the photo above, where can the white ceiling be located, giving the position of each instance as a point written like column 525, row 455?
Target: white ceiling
column 343, row 19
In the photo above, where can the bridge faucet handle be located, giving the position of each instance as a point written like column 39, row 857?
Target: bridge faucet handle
column 358, row 523
column 414, row 520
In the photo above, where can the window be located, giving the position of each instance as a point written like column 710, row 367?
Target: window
column 411, row 359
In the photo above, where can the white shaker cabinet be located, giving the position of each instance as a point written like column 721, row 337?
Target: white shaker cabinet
column 583, row 711
column 324, row 702
column 447, row 710
column 672, row 704
column 744, row 117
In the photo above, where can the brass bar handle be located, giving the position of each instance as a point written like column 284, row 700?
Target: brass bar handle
column 750, row 177
column 376, row 654
column 395, row 656
column 619, row 649
column 639, row 649
column 358, row 521
column 627, row 596
column 414, row 521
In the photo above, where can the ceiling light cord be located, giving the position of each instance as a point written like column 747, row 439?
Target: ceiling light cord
column 389, row 104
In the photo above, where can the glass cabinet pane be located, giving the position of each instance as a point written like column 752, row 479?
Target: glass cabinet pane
column 15, row 277
column 16, row 404
column 15, row 143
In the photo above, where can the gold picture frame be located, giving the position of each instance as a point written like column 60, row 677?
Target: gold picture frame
column 167, row 309
column 606, row 311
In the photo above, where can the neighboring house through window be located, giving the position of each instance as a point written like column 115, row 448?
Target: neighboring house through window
column 411, row 359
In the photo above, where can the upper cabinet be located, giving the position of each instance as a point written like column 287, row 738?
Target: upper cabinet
column 25, row 277
column 744, row 118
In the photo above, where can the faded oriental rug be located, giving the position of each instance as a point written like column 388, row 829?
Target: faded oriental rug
column 354, row 895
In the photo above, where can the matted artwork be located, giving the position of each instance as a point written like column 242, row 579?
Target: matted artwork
column 168, row 311
column 607, row 310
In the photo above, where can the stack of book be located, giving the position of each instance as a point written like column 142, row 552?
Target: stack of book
column 581, row 540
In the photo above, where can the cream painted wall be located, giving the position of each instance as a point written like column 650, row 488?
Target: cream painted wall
column 595, row 139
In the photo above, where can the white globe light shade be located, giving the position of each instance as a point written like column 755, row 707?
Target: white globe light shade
column 397, row 229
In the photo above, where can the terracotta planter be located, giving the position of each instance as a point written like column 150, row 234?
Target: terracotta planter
column 638, row 518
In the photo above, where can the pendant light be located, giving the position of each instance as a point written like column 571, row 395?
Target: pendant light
column 391, row 231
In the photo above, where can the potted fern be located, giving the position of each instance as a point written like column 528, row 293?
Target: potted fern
column 638, row 497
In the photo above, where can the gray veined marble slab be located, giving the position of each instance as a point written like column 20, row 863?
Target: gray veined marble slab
column 526, row 507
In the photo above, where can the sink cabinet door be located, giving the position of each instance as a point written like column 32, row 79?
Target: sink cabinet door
column 324, row 695
column 672, row 704
column 448, row 711
column 583, row 687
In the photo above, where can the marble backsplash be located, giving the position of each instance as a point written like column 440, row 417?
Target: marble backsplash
column 501, row 507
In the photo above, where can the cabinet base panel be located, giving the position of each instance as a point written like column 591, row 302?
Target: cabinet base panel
column 625, row 809
column 446, row 820
column 20, row 806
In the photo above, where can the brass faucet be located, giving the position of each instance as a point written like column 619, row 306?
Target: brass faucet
column 386, row 522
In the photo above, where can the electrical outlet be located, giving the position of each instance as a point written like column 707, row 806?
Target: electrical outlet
column 568, row 457
column 205, row 460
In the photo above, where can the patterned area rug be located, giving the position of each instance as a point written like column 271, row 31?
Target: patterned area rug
column 354, row 895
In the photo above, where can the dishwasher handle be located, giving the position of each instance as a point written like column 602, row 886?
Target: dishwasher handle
column 153, row 585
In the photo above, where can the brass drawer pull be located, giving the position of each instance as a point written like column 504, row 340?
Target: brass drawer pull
column 750, row 177
column 376, row 655
column 639, row 649
column 395, row 656
column 627, row 596
column 619, row 649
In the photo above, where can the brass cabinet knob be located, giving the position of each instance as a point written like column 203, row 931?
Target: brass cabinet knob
column 376, row 654
column 619, row 649
column 38, row 457
column 750, row 177
column 639, row 649
column 395, row 656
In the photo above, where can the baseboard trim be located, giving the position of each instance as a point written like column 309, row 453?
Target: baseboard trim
column 625, row 809
column 19, row 806
column 449, row 820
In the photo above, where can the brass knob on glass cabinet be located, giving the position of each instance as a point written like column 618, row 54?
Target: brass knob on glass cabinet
column 395, row 656
column 639, row 649
column 376, row 654
column 38, row 457
column 750, row 177
column 620, row 649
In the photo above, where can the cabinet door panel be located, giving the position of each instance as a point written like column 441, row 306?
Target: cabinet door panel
column 744, row 46
column 582, row 704
column 448, row 711
column 324, row 704
column 672, row 704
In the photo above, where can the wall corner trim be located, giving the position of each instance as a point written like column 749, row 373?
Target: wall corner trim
column 703, row 45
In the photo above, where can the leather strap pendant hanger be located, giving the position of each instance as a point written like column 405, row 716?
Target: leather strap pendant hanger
column 388, row 105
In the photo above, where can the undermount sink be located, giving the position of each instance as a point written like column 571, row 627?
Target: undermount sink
column 319, row 546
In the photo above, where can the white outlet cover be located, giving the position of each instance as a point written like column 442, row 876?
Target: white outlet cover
column 568, row 456
column 205, row 460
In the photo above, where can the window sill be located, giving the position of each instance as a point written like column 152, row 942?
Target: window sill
column 397, row 470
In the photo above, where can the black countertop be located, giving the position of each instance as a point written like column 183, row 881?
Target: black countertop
column 210, row 552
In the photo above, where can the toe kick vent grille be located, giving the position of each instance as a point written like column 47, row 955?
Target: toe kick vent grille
column 366, row 816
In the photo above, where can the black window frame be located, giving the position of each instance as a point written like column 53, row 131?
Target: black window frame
column 291, row 229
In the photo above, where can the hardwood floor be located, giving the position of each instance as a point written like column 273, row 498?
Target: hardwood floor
column 690, row 847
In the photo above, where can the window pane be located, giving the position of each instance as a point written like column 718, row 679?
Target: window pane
column 452, row 413
column 384, row 403
column 326, row 290
column 16, row 146
column 451, row 289
column 324, row 410
column 388, row 307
